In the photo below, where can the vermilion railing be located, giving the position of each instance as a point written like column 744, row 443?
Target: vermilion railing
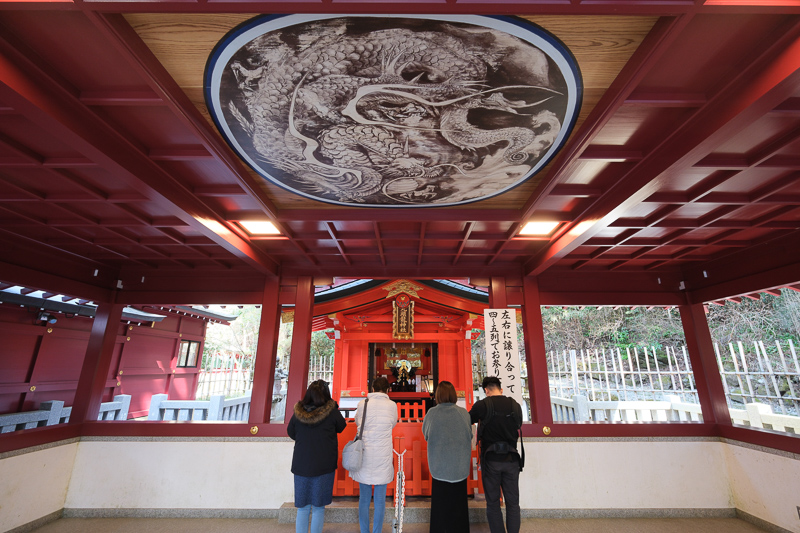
column 407, row 436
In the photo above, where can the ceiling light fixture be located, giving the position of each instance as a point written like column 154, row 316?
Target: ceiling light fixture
column 259, row 227
column 538, row 228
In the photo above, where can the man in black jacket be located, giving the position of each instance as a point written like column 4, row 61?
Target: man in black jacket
column 499, row 418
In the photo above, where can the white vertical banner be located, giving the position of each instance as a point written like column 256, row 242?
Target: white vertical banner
column 502, row 351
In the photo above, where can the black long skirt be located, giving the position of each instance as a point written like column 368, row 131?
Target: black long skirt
column 449, row 510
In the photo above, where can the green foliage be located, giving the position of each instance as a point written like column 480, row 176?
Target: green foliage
column 592, row 327
column 241, row 337
column 766, row 319
column 321, row 344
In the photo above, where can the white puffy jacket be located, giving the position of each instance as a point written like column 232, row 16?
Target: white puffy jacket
column 377, row 467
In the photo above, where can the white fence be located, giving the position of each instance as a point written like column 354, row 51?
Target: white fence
column 320, row 368
column 53, row 412
column 580, row 408
column 223, row 381
column 217, row 408
column 614, row 374
column 762, row 374
column 772, row 378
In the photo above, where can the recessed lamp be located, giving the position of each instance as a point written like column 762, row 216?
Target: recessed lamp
column 259, row 227
column 538, row 228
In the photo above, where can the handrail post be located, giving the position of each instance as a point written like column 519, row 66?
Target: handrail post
column 155, row 406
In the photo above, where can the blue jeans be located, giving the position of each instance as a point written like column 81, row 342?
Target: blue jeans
column 317, row 519
column 364, row 495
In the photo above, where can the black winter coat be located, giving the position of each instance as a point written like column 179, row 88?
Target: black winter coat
column 316, row 446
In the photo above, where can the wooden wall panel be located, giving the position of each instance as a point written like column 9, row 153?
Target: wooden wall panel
column 52, row 362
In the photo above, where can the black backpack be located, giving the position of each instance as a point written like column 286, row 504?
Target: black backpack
column 503, row 447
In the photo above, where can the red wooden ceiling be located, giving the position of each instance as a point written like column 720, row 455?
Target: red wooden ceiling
column 686, row 164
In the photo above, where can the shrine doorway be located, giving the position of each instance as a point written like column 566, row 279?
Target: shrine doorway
column 412, row 368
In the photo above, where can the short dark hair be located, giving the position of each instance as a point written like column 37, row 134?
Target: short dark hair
column 380, row 384
column 318, row 394
column 490, row 382
column 445, row 393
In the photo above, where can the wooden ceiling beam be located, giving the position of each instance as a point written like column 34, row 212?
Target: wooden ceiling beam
column 663, row 34
column 24, row 153
column 108, row 97
column 180, row 153
column 752, row 92
column 421, row 242
column 576, row 190
column 127, row 42
column 378, row 241
column 665, row 99
column 454, row 7
column 220, row 191
column 465, row 238
column 45, row 223
column 337, row 242
column 610, row 153
column 619, row 240
column 397, row 215
column 28, row 86
column 763, row 153
column 775, row 186
column 781, row 161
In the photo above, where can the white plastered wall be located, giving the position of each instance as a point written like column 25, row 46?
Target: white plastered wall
column 625, row 474
column 765, row 484
column 34, row 484
column 560, row 474
column 181, row 474
column 254, row 474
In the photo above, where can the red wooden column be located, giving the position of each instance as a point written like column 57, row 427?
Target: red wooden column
column 301, row 343
column 264, row 373
column 538, row 381
column 497, row 293
column 94, row 373
column 704, row 365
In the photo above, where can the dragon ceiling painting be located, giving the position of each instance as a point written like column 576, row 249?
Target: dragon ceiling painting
column 393, row 111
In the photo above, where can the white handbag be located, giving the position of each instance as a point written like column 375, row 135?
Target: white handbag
column 353, row 452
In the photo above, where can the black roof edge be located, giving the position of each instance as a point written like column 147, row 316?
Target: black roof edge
column 87, row 311
column 467, row 295
column 206, row 314
column 327, row 296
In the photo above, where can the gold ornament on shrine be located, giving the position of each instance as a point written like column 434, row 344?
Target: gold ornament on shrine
column 403, row 317
column 402, row 286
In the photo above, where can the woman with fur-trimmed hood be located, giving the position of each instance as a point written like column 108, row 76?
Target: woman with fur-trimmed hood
column 313, row 427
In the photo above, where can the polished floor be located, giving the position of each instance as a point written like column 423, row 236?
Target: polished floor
column 538, row 525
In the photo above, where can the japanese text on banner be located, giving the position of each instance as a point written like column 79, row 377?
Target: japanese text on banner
column 502, row 351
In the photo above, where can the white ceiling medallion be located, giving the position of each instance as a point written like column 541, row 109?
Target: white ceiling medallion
column 393, row 111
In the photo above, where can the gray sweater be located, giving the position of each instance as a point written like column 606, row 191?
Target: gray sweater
column 448, row 430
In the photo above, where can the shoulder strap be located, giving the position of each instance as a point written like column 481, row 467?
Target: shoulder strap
column 489, row 414
column 363, row 419
column 489, row 408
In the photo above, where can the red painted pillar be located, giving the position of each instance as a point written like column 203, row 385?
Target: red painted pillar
column 704, row 365
column 266, row 352
column 538, row 381
column 94, row 373
column 497, row 293
column 301, row 343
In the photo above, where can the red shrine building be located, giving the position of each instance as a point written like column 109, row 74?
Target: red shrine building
column 385, row 173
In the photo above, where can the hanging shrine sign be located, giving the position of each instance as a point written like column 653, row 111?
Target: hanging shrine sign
column 403, row 317
column 502, row 351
